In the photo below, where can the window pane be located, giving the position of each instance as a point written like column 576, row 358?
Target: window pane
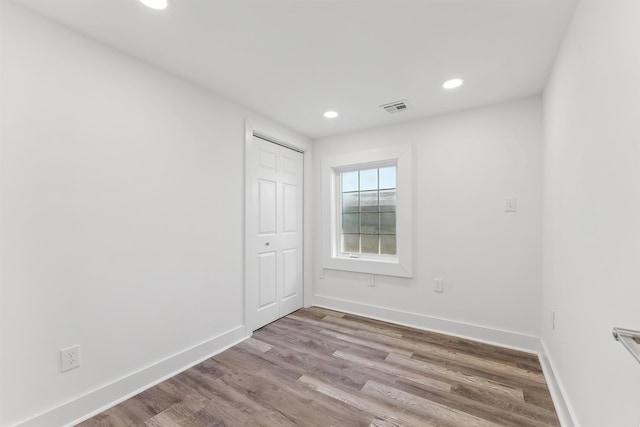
column 369, row 201
column 369, row 179
column 388, row 177
column 350, row 202
column 387, row 200
column 388, row 245
column 369, row 211
column 349, row 181
column 387, row 223
column 351, row 243
column 350, row 223
column 369, row 223
column 370, row 244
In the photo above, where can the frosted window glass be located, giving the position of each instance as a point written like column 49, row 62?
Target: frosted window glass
column 387, row 223
column 350, row 202
column 350, row 223
column 369, row 243
column 351, row 243
column 388, row 244
column 369, row 223
column 368, row 211
column 369, row 201
column 387, row 200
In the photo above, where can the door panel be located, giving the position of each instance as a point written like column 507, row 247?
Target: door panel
column 267, row 207
column 290, row 264
column 267, row 279
column 274, row 217
column 268, row 159
column 290, row 208
column 290, row 163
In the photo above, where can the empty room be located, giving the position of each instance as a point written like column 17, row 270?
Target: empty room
column 319, row 213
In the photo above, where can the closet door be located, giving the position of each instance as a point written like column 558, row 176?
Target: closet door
column 274, row 270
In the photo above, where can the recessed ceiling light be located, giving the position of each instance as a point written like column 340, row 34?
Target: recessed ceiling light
column 330, row 114
column 156, row 4
column 452, row 84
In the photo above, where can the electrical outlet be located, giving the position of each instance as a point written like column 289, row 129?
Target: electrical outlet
column 437, row 285
column 69, row 358
column 372, row 281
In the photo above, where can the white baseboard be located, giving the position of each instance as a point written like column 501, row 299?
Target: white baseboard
column 564, row 409
column 104, row 397
column 484, row 334
column 509, row 339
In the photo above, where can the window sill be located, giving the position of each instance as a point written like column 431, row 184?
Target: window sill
column 381, row 267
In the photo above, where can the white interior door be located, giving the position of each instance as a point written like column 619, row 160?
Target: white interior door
column 274, row 265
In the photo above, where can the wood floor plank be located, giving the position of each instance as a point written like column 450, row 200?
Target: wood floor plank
column 269, row 388
column 506, row 355
column 488, row 373
column 310, row 341
column 319, row 367
column 378, row 408
column 540, row 397
column 379, row 330
column 325, row 367
column 439, row 414
column 235, row 405
column 231, row 412
column 395, row 371
column 394, row 339
column 177, row 414
column 366, row 343
column 260, row 346
column 532, row 413
column 452, row 375
column 384, row 423
column 321, row 312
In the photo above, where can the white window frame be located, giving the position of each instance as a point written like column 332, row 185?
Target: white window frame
column 339, row 211
column 399, row 265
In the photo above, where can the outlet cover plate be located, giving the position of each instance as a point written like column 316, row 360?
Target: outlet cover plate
column 69, row 358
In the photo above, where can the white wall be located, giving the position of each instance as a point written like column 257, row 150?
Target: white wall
column 467, row 164
column 592, row 212
column 122, row 225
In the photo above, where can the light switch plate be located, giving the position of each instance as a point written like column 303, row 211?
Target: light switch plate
column 510, row 204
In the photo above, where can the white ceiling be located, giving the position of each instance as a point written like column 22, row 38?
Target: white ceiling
column 291, row 60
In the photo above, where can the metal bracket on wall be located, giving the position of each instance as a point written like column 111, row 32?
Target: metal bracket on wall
column 629, row 339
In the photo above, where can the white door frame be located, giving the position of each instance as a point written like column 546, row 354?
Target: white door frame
column 297, row 143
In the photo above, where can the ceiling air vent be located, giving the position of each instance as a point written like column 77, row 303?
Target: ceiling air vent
column 396, row 107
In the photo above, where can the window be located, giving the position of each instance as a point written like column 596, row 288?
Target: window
column 367, row 211
column 368, row 207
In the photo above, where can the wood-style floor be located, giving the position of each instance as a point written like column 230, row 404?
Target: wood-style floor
column 317, row 367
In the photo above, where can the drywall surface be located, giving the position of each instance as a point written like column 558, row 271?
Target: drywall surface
column 592, row 212
column 122, row 214
column 466, row 164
